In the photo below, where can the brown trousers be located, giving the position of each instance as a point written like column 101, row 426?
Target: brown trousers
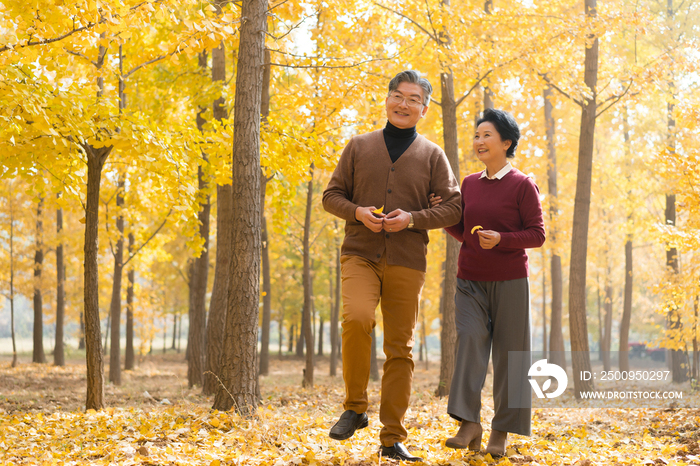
column 365, row 285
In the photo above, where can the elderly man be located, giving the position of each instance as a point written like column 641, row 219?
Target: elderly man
column 380, row 188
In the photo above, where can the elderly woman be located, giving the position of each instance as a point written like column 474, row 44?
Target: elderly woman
column 501, row 217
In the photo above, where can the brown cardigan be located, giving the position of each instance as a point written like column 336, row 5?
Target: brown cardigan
column 365, row 176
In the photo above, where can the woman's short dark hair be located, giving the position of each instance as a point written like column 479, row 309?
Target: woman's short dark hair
column 506, row 126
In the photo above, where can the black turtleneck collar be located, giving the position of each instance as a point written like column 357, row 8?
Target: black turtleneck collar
column 397, row 140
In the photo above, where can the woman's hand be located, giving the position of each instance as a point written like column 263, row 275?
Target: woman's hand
column 434, row 200
column 488, row 239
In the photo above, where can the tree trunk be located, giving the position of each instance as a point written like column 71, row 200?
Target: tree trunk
column 556, row 335
column 335, row 313
column 267, row 286
column 291, row 338
column 173, row 346
column 373, row 363
column 106, row 344
column 308, row 294
column 607, row 340
column 129, row 358
column 578, row 330
column 424, row 342
column 81, row 336
column 93, row 343
column 544, row 304
column 239, row 362
column 59, row 358
column 12, row 280
column 629, row 271
column 38, row 354
column 320, row 335
column 115, row 308
column 224, row 221
column 448, row 333
column 696, row 355
column 200, row 272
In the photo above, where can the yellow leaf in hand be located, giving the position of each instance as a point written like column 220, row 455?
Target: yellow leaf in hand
column 478, row 227
column 379, row 210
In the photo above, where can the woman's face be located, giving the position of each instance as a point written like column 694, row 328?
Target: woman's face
column 488, row 145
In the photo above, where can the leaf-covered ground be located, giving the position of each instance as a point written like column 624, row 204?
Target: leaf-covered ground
column 154, row 419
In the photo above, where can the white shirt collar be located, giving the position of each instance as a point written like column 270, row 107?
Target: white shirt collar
column 501, row 173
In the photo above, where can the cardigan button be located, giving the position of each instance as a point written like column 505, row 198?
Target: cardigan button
column 389, row 191
column 392, row 169
column 387, row 235
column 379, row 256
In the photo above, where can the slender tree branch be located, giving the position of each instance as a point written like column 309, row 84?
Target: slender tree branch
column 78, row 54
column 616, row 100
column 546, row 79
column 464, row 96
column 149, row 238
column 419, row 26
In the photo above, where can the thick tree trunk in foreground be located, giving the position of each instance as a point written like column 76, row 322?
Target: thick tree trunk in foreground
column 239, row 362
column 38, row 354
column 59, row 358
column 200, row 273
column 308, row 294
column 93, row 343
column 448, row 333
column 129, row 358
column 556, row 335
column 115, row 308
column 578, row 329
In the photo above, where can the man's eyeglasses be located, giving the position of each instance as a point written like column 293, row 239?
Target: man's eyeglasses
column 397, row 98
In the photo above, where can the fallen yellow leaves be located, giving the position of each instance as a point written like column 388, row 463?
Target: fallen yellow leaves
column 291, row 428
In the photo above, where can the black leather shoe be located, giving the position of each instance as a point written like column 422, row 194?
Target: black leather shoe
column 398, row 452
column 348, row 423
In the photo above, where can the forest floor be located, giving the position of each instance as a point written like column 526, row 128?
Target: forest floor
column 153, row 418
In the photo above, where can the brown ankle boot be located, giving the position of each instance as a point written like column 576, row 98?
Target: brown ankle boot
column 497, row 443
column 469, row 435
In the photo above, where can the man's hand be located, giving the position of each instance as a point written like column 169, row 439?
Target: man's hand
column 488, row 239
column 396, row 220
column 369, row 219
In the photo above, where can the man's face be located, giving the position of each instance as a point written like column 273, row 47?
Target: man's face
column 401, row 108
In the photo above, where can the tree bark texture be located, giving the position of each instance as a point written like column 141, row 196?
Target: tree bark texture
column 544, row 304
column 578, row 330
column 448, row 333
column 335, row 314
column 219, row 295
column 93, row 343
column 59, row 357
column 224, row 217
column 308, row 293
column 129, row 357
column 556, row 335
column 239, row 363
column 200, row 272
column 115, row 308
column 38, row 354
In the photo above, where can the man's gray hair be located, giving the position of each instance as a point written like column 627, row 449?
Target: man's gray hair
column 413, row 77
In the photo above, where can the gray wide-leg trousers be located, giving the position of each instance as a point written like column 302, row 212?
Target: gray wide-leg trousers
column 492, row 317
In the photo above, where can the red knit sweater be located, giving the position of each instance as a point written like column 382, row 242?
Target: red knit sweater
column 510, row 206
